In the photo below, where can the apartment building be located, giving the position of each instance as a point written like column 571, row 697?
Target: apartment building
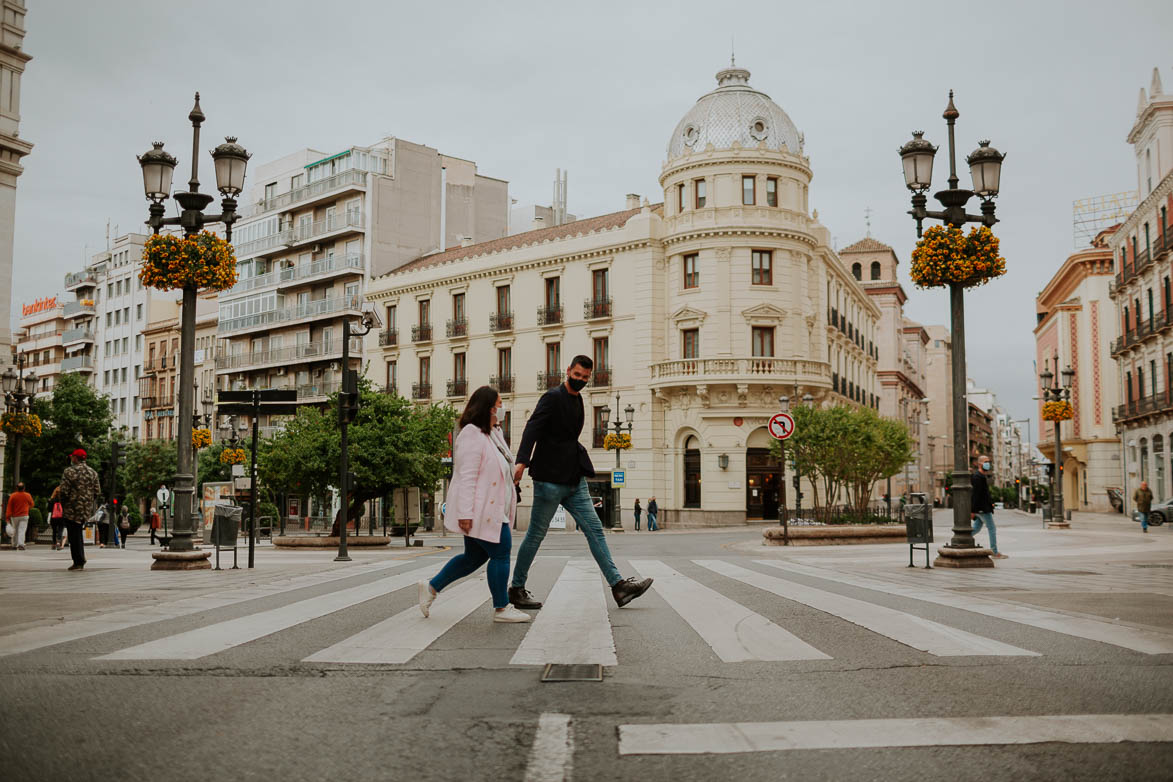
column 39, row 341
column 157, row 385
column 1140, row 250
column 939, row 410
column 319, row 224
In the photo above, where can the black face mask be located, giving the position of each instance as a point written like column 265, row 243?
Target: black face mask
column 576, row 384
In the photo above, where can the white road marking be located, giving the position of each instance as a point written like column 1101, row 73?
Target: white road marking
column 35, row 638
column 403, row 636
column 734, row 632
column 733, row 737
column 924, row 634
column 552, row 755
column 220, row 637
column 573, row 626
column 1147, row 641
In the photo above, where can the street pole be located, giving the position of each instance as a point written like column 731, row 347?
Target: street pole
column 1057, row 477
column 344, row 461
column 252, row 486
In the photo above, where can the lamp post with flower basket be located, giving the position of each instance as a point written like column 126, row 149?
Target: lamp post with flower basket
column 1057, row 408
column 945, row 257
column 198, row 259
column 617, row 441
column 18, row 420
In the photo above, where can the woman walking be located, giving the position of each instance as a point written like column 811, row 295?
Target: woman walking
column 482, row 502
column 57, row 519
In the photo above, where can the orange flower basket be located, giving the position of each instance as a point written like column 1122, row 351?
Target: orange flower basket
column 202, row 261
column 945, row 256
column 1058, row 411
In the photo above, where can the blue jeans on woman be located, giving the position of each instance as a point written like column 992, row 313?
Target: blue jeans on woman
column 577, row 501
column 476, row 553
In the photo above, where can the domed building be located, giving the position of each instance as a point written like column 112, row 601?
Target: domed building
column 699, row 313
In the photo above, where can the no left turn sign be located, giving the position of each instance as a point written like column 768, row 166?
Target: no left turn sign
column 781, row 426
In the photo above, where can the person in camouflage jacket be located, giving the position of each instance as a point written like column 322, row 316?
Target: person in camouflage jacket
column 80, row 493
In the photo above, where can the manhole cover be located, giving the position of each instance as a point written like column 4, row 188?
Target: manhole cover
column 1064, row 573
column 572, row 673
column 1154, row 565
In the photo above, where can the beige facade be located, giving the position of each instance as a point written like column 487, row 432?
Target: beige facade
column 1075, row 316
column 1143, row 304
column 12, row 149
column 157, row 391
column 318, row 225
column 700, row 313
column 939, row 385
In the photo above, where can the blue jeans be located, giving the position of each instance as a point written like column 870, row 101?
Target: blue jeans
column 637, row 522
column 1144, row 520
column 652, row 522
column 476, row 552
column 577, row 501
column 988, row 520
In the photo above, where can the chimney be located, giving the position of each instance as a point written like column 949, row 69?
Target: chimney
column 539, row 223
column 466, row 241
column 632, row 201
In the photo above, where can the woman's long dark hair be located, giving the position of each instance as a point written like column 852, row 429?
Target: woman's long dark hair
column 479, row 410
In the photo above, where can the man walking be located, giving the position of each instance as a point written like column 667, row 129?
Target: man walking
column 638, row 509
column 981, row 509
column 559, row 466
column 17, row 514
column 1143, row 497
column 653, row 511
column 80, row 490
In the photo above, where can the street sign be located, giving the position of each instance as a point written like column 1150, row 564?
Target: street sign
column 781, row 426
column 618, row 479
column 163, row 495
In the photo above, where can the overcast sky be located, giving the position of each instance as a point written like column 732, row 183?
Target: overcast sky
column 523, row 88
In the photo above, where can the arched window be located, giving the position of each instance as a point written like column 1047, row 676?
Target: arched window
column 875, row 270
column 692, row 473
column 857, row 271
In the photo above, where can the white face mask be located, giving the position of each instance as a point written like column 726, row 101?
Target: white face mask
column 501, row 413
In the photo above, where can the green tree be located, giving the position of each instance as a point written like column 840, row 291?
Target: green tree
column 393, row 444
column 74, row 416
column 211, row 470
column 148, row 466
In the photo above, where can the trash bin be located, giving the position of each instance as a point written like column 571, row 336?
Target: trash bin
column 1046, row 514
column 918, row 523
column 225, row 525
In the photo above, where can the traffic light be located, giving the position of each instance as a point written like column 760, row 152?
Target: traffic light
column 348, row 400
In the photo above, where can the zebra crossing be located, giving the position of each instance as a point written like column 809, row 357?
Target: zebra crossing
column 704, row 599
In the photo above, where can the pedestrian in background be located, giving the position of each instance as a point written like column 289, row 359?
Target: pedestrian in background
column 653, row 512
column 123, row 526
column 482, row 502
column 638, row 510
column 1143, row 497
column 57, row 518
column 20, row 502
column 981, row 510
column 80, row 493
column 154, row 524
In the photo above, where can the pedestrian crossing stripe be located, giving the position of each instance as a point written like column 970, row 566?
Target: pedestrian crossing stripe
column 573, row 626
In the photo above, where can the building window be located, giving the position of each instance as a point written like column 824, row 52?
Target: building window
column 138, row 341
column 391, row 317
column 554, row 358
column 690, row 343
column 270, row 191
column 425, row 312
column 1140, row 382
column 138, row 312
column 680, row 198
column 502, row 300
column 762, row 271
column 875, row 270
column 600, row 351
column 699, row 188
column 771, row 191
column 692, row 473
column 425, row 370
column 392, row 377
column 857, row 271
column 1128, row 386
column 692, row 273
column 504, row 370
column 763, row 341
column 747, row 190
column 553, row 292
column 109, row 319
column 1153, row 377
column 598, row 431
column 458, row 307
column 601, row 285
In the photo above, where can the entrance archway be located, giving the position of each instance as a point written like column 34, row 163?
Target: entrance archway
column 762, row 473
column 692, row 473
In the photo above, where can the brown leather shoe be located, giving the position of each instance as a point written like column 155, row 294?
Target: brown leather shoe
column 629, row 589
column 521, row 598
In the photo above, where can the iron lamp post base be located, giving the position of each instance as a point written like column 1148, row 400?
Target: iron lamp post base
column 181, row 560
column 949, row 556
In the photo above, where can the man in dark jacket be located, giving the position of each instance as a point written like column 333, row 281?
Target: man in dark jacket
column 981, row 509
column 559, row 466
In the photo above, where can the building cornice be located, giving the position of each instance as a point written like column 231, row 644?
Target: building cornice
column 899, row 378
column 708, row 233
column 1149, row 202
column 1146, row 117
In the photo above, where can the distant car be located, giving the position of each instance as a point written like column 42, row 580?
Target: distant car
column 999, row 506
column 1159, row 512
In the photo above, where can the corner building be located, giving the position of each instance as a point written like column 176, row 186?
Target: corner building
column 699, row 312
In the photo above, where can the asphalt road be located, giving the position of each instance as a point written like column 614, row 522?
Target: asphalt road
column 1075, row 622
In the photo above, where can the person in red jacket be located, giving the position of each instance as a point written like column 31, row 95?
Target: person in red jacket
column 20, row 502
column 154, row 524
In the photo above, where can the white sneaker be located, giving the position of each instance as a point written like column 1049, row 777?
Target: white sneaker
column 511, row 614
column 426, row 596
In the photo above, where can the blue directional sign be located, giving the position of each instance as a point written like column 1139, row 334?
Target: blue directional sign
column 618, row 478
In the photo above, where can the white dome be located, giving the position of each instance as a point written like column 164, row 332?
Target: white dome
column 734, row 112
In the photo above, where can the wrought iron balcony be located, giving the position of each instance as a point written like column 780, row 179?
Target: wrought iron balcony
column 421, row 391
column 388, row 338
column 601, row 377
column 548, row 380
column 501, row 321
column 596, row 308
column 457, row 327
column 390, row 388
column 550, row 316
column 458, row 388
column 503, row 384
column 421, row 332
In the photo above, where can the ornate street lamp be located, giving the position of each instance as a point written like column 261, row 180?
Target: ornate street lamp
column 1057, row 393
column 19, row 390
column 158, row 167
column 985, row 165
column 620, row 427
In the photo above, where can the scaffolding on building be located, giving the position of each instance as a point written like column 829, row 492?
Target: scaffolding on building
column 1089, row 216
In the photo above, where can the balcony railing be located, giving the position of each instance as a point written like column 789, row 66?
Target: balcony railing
column 315, row 390
column 548, row 380
column 388, row 338
column 550, row 316
column 350, row 262
column 306, row 351
column 421, row 390
column 1138, row 408
column 501, row 321
column 754, row 369
column 76, row 363
column 74, row 308
column 421, row 332
column 308, row 310
column 502, row 384
column 353, row 176
column 297, row 234
column 458, row 388
column 601, row 377
column 82, row 334
column 75, row 279
column 390, row 388
column 596, row 308
column 457, row 327
column 155, row 364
